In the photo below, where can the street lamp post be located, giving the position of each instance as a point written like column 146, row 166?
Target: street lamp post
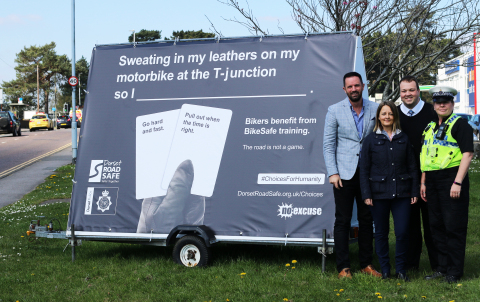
column 133, row 34
column 74, row 112
column 79, row 88
column 38, row 90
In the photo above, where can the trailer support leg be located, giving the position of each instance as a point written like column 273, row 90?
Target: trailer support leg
column 73, row 243
column 324, row 248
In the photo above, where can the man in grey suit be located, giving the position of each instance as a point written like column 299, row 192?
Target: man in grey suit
column 347, row 123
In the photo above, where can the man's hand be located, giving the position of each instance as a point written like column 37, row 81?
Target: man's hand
column 369, row 202
column 413, row 200
column 336, row 181
column 423, row 192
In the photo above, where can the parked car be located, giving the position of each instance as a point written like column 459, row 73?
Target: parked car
column 9, row 123
column 475, row 123
column 41, row 121
column 64, row 121
column 465, row 116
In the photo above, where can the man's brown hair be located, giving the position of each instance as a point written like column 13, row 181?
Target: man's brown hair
column 410, row 79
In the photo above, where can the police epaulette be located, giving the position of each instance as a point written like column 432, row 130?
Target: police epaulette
column 428, row 127
column 451, row 118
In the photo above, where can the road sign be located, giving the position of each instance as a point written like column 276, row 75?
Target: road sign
column 53, row 109
column 73, row 81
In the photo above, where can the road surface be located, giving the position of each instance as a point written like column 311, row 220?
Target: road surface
column 27, row 160
column 18, row 151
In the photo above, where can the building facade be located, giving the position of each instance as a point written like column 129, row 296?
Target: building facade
column 463, row 74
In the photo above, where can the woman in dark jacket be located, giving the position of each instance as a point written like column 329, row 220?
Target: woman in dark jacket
column 387, row 171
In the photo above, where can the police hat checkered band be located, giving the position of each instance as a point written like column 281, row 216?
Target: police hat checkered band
column 442, row 91
column 442, row 94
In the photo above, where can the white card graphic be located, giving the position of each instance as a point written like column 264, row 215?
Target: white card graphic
column 200, row 137
column 154, row 135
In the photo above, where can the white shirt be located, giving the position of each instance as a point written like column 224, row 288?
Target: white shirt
column 415, row 109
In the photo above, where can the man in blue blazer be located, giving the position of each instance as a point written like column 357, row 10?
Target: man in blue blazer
column 347, row 123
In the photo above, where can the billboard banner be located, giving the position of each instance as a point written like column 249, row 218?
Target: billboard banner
column 227, row 134
column 471, row 81
column 452, row 66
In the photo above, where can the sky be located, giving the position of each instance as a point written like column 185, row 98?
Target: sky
column 24, row 23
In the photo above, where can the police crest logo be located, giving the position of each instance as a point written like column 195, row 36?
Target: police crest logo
column 101, row 201
column 104, row 202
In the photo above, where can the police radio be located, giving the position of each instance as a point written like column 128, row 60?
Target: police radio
column 442, row 131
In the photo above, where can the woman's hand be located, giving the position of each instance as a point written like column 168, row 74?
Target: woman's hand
column 455, row 191
column 423, row 191
column 413, row 200
column 368, row 202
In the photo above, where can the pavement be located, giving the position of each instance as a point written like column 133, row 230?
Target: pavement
column 16, row 185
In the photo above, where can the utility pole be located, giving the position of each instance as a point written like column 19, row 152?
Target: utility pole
column 38, row 95
column 79, row 89
column 55, row 99
column 74, row 111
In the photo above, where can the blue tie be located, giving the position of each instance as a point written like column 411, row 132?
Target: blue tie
column 410, row 112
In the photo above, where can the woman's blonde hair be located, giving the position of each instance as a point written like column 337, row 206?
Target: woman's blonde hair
column 396, row 116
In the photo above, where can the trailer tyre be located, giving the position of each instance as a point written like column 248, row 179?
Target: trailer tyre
column 191, row 251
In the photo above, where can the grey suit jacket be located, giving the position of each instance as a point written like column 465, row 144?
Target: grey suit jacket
column 341, row 142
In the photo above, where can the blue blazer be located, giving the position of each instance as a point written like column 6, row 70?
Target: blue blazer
column 341, row 142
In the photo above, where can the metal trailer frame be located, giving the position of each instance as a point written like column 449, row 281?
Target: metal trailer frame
column 324, row 245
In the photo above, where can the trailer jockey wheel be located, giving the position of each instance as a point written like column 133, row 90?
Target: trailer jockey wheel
column 191, row 251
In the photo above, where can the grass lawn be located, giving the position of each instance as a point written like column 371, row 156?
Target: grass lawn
column 39, row 270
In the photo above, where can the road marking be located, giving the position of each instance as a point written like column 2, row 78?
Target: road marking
column 31, row 161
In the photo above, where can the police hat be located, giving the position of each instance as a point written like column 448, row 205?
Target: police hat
column 442, row 93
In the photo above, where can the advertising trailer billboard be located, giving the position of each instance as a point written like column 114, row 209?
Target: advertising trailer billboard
column 225, row 133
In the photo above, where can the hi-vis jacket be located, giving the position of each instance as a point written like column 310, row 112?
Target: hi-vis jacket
column 438, row 154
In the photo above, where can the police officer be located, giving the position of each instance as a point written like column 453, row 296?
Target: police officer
column 445, row 157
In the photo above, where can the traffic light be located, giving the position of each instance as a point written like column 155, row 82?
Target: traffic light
column 66, row 108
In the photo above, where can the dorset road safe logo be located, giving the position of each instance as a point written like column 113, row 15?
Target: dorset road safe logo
column 288, row 210
column 104, row 171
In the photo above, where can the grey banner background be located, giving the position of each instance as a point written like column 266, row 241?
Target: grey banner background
column 318, row 73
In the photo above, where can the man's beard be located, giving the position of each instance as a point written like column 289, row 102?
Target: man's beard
column 355, row 99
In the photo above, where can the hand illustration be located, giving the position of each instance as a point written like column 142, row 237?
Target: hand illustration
column 162, row 213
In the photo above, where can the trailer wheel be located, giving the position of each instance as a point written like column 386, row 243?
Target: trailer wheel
column 191, row 251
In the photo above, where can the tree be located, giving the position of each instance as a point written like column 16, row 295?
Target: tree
column 145, row 35
column 400, row 37
column 25, row 85
column 81, row 69
column 191, row 34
